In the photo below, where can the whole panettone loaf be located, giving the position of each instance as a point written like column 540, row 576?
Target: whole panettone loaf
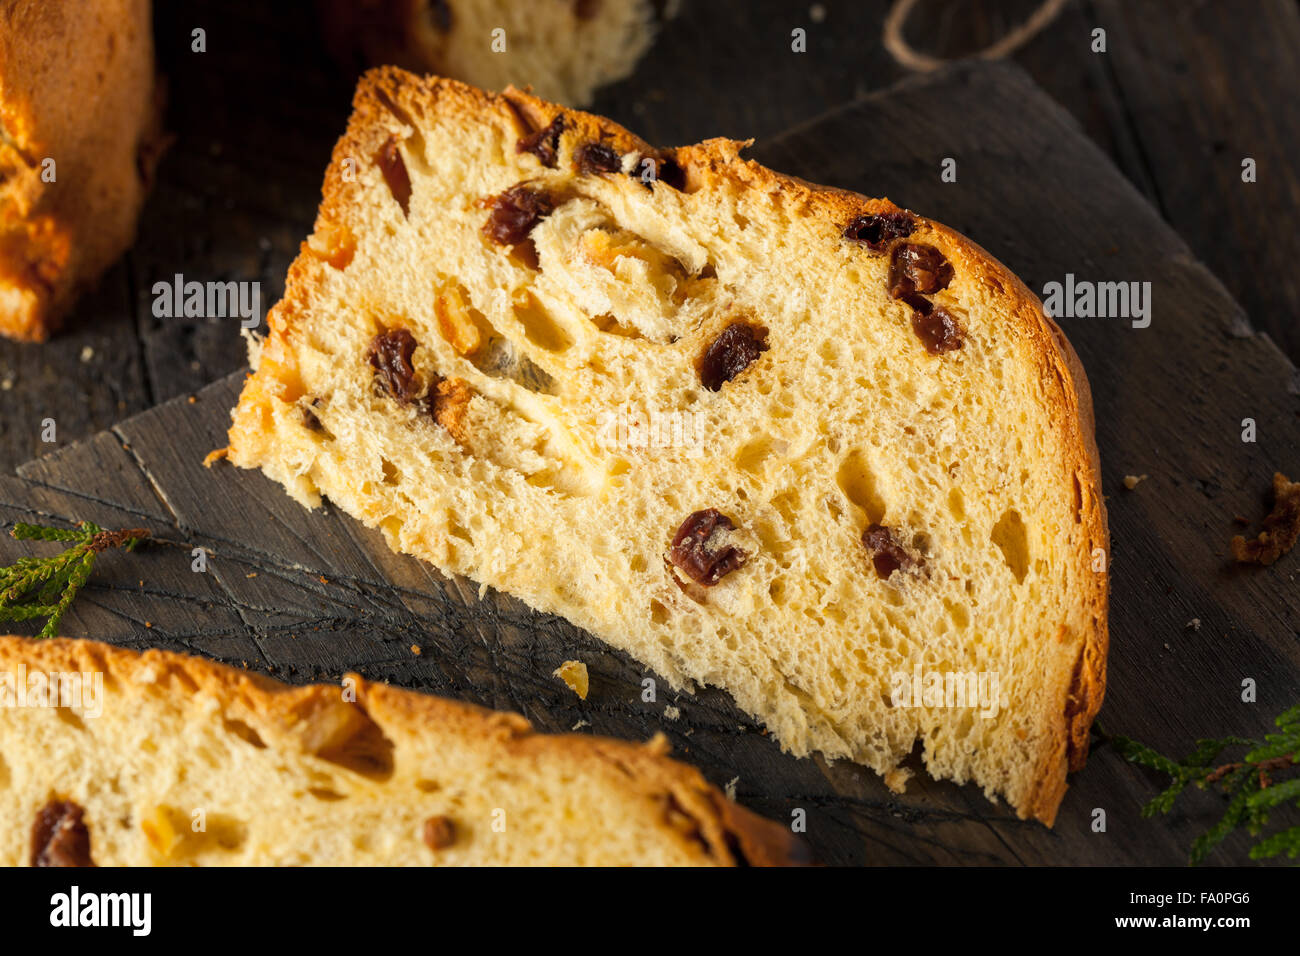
column 806, row 446
column 79, row 136
column 161, row 759
column 564, row 49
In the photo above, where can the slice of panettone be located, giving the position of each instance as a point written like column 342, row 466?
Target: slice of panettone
column 116, row 758
column 803, row 445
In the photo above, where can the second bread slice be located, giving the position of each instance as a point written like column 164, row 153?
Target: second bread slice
column 113, row 758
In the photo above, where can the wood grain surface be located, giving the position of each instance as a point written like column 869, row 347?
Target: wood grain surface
column 305, row 596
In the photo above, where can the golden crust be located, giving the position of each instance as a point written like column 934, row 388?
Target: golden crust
column 1071, row 399
column 290, row 717
column 389, row 91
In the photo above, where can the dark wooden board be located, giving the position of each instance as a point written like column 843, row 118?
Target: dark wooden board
column 307, row 596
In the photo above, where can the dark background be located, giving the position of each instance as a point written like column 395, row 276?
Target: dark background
column 1186, row 90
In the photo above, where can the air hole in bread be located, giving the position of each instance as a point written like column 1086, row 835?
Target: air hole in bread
column 957, row 613
column 524, row 254
column 392, row 475
column 755, row 452
column 858, row 482
column 70, row 718
column 1010, row 536
column 393, row 168
column 787, row 503
column 427, row 786
column 237, row 728
column 456, row 530
column 173, row 838
column 776, row 591
column 607, row 322
column 540, row 327
column 956, row 504
column 658, row 613
column 473, row 336
column 326, row 794
column 359, row 744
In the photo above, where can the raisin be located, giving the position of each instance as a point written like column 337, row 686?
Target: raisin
column 696, row 551
column 731, row 353
column 439, row 833
column 671, row 173
column 917, row 268
column 919, row 303
column 544, row 143
column 887, row 552
column 439, row 13
column 597, row 158
column 514, row 214
column 390, row 356
column 880, row 229
column 60, row 837
column 666, row 171
column 937, row 328
column 586, row 9
column 391, row 164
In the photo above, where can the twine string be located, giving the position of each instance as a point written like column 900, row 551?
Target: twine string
column 903, row 52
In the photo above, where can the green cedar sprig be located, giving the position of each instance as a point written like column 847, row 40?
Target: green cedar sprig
column 44, row 587
column 1253, row 793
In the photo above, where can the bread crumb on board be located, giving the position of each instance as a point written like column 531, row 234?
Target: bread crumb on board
column 1132, row 481
column 1281, row 527
column 896, row 779
column 574, row 673
column 671, row 712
